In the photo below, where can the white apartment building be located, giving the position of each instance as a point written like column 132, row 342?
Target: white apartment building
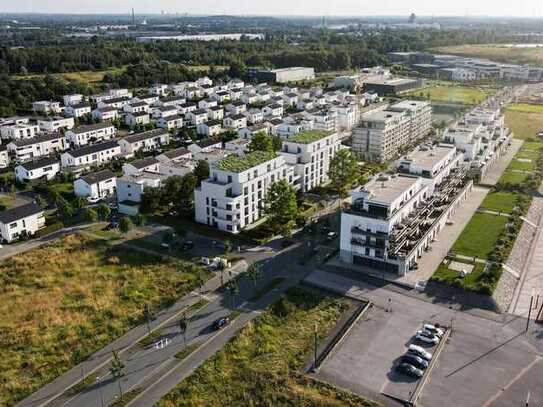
column 232, row 198
column 93, row 154
column 44, row 168
column 73, row 99
column 432, row 163
column 115, row 103
column 393, row 220
column 420, row 116
column 137, row 119
column 273, row 110
column 170, row 122
column 235, row 122
column 149, row 164
column 105, row 114
column 465, row 139
column 215, row 113
column 136, row 107
column 56, row 123
column 91, row 133
column 383, row 133
column 347, row 116
column 96, row 186
column 21, row 130
column 146, row 141
column 323, row 120
column 178, row 154
column 21, row 220
column 4, row 157
column 164, row 111
column 78, row 110
column 130, row 189
column 196, row 117
column 311, row 153
column 28, row 149
column 46, row 107
column 210, row 128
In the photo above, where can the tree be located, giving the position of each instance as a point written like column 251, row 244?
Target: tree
column 80, row 202
column 200, row 281
column 227, row 246
column 140, row 219
column 183, row 325
column 201, row 171
column 150, row 200
column 281, row 206
column 254, row 273
column 41, row 202
column 125, row 224
column 343, row 171
column 90, row 215
column 233, row 290
column 65, row 209
column 237, row 69
column 185, row 193
column 277, row 143
column 117, row 371
column 103, row 211
column 148, row 316
column 261, row 142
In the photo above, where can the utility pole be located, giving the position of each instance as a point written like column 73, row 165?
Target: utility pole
column 527, row 399
column 529, row 313
column 315, row 344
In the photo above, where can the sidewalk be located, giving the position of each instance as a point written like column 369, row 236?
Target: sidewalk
column 99, row 359
column 8, row 251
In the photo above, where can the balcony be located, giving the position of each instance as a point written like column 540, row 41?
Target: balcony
column 359, row 231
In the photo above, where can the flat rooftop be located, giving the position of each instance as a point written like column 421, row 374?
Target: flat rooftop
column 388, row 188
column 391, row 82
column 380, row 115
column 410, row 104
column 428, row 158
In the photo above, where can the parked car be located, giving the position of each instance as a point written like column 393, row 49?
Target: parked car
column 409, row 370
column 187, row 245
column 221, row 323
column 93, row 200
column 419, row 351
column 434, row 330
column 331, row 236
column 427, row 337
column 416, row 361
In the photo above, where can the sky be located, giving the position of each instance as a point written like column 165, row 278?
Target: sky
column 524, row 8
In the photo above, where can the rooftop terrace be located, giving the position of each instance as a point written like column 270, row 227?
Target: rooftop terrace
column 236, row 163
column 309, row 137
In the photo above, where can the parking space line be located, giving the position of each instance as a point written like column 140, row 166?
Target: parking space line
column 512, row 382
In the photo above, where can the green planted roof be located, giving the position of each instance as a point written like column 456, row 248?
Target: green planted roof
column 308, row 137
column 235, row 163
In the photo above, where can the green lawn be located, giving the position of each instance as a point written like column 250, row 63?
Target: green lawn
column 453, row 94
column 522, row 165
column 510, row 177
column 524, row 121
column 532, row 146
column 477, row 281
column 62, row 302
column 500, row 201
column 480, row 235
column 258, row 367
column 526, row 108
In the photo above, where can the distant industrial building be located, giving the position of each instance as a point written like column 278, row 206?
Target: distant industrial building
column 386, row 87
column 284, row 75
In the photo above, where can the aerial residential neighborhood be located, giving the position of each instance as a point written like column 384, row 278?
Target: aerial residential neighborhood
column 241, row 207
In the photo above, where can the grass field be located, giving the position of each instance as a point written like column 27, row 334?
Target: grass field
column 480, row 235
column 89, row 77
column 62, row 302
column 522, row 165
column 511, row 177
column 257, row 368
column 453, row 94
column 477, row 281
column 496, row 52
column 524, row 120
column 500, row 201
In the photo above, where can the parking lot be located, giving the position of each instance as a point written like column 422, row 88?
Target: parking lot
column 488, row 360
column 365, row 362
